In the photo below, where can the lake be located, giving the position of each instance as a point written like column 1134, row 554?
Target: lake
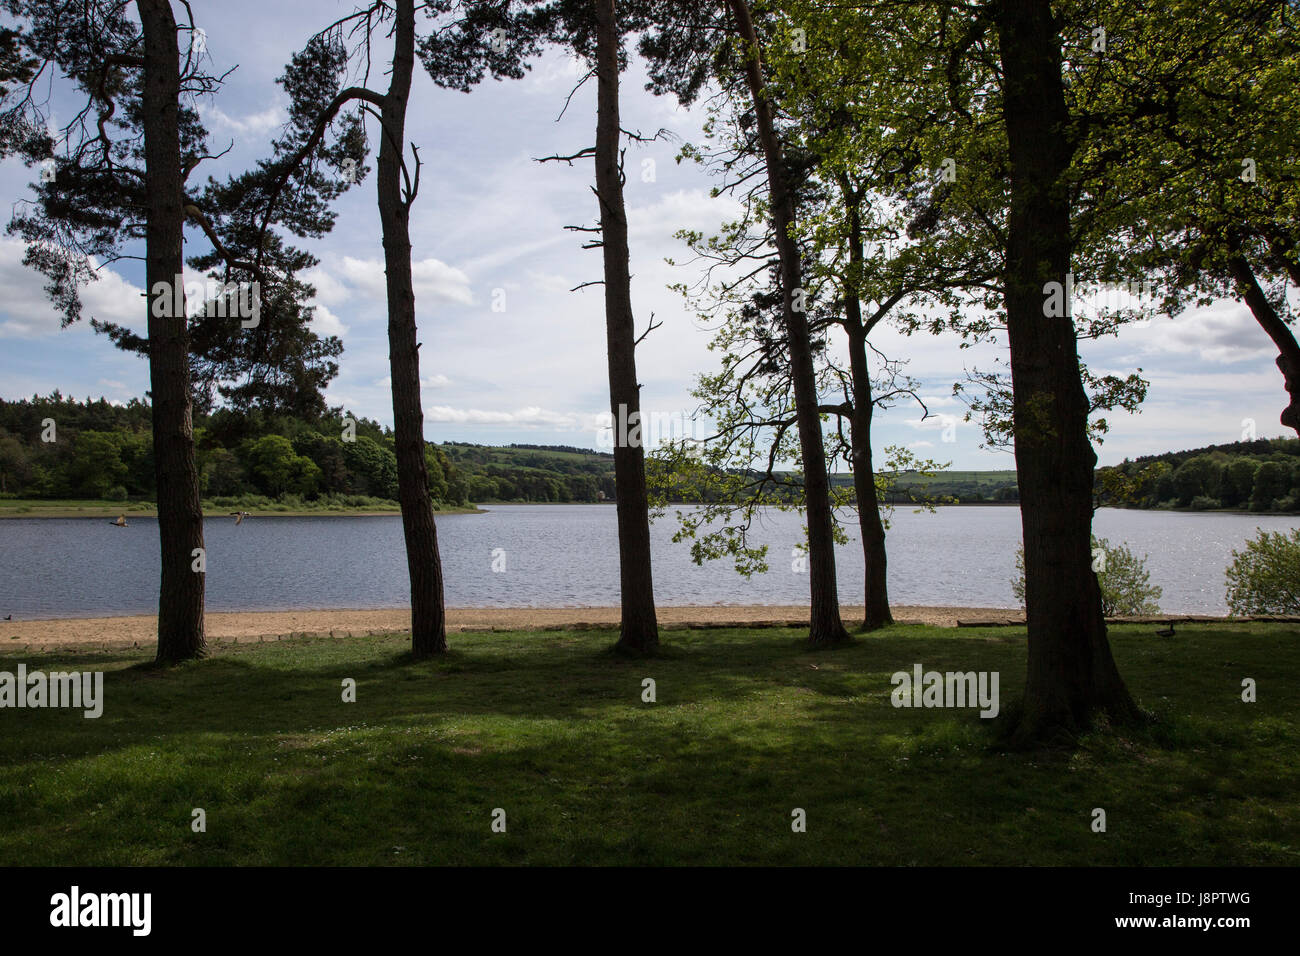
column 566, row 556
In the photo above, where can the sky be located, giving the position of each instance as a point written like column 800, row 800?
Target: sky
column 509, row 353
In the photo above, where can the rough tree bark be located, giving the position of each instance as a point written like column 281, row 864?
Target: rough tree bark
column 1288, row 358
column 826, row 628
column 638, row 631
column 180, row 514
column 870, row 526
column 1071, row 673
column 428, row 615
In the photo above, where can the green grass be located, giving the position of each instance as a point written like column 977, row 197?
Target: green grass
column 551, row 727
column 72, row 508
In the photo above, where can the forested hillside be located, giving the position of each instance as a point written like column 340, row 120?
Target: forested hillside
column 57, row 447
column 95, row 449
column 100, row 450
column 1261, row 475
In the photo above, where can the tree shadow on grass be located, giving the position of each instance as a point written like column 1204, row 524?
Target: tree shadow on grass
column 647, row 789
column 276, row 689
column 747, row 726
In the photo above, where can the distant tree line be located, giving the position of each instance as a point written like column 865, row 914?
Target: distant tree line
column 103, row 450
column 1261, row 475
column 97, row 449
column 544, row 473
column 958, row 488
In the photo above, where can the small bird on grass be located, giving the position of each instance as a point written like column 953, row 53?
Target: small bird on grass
column 120, row 522
column 9, row 617
column 1166, row 631
column 239, row 516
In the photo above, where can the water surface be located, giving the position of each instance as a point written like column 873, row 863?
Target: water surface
column 567, row 556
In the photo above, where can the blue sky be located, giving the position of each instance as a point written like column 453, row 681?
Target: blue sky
column 489, row 218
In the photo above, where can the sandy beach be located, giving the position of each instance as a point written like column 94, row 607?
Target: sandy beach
column 272, row 625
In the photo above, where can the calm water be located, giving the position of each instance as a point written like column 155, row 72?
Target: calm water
column 566, row 555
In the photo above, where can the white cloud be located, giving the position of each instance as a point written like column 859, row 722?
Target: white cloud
column 329, row 290
column 436, row 280
column 1218, row 334
column 556, row 73
column 530, row 416
column 324, row 322
column 28, row 312
column 940, row 401
column 433, row 381
column 251, row 124
column 680, row 209
column 351, row 277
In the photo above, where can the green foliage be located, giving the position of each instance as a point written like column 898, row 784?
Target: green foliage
column 96, row 465
column 1260, row 474
column 959, row 487
column 542, row 473
column 106, row 451
column 272, row 461
column 1194, row 476
column 1272, row 481
column 1237, row 481
column 1265, row 577
column 1126, row 587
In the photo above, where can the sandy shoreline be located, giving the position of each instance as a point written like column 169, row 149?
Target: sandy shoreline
column 263, row 625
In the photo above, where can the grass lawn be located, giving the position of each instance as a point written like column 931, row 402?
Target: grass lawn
column 551, row 728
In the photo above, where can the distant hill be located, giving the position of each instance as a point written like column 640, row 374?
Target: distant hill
column 1262, row 475
column 558, row 473
column 962, row 487
column 103, row 451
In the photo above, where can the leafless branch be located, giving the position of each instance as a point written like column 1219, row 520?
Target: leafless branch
column 649, row 328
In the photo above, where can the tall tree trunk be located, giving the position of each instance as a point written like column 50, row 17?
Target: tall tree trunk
column 1071, row 674
column 428, row 616
column 639, row 630
column 1288, row 359
column 870, row 526
column 826, row 628
column 180, row 514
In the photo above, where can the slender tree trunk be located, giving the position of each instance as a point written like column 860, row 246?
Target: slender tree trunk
column 1288, row 359
column 1071, row 674
column 428, row 616
column 826, row 627
column 870, row 527
column 639, row 630
column 180, row 514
